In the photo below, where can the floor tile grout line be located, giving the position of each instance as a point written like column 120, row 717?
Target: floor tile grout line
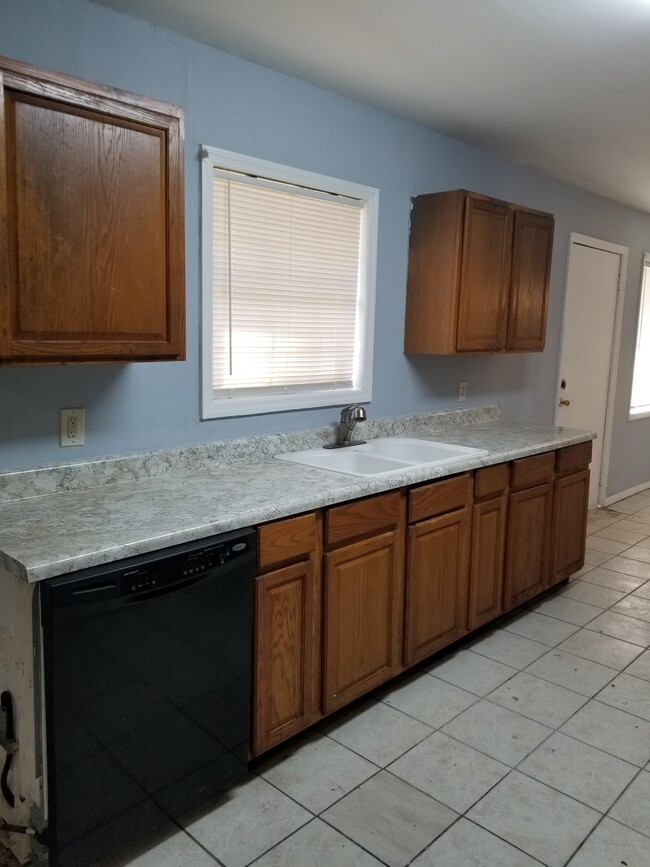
column 582, row 842
column 486, row 830
column 503, row 839
column 431, row 731
column 577, row 656
column 629, row 713
column 575, row 737
column 644, row 646
column 510, row 772
column 573, row 797
column 525, row 611
column 618, row 821
column 588, row 659
column 633, row 780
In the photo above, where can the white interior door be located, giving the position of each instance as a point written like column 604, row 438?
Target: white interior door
column 589, row 348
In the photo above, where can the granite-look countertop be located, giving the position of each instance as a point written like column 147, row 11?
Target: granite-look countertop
column 56, row 533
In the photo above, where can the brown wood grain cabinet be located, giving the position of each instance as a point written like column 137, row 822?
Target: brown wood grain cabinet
column 528, row 535
column 478, row 275
column 348, row 597
column 489, row 513
column 570, row 504
column 91, row 222
column 363, row 597
column 437, row 566
column 286, row 653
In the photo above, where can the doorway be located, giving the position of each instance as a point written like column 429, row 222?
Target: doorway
column 591, row 329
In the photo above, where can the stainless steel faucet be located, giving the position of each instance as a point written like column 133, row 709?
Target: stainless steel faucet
column 350, row 415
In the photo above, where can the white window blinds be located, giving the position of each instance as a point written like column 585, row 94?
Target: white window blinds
column 288, row 273
column 640, row 402
column 286, row 268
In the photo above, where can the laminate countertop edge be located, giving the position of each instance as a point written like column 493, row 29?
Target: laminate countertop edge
column 59, row 533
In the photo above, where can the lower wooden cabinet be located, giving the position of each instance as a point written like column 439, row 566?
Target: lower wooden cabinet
column 348, row 597
column 286, row 654
column 487, row 549
column 436, row 593
column 362, row 617
column 437, row 558
column 527, row 544
column 528, row 537
column 570, row 505
column 363, row 596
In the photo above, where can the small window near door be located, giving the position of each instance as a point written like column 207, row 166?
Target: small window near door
column 640, row 402
column 288, row 287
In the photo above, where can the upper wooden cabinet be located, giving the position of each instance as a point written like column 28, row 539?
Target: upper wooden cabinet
column 91, row 222
column 478, row 275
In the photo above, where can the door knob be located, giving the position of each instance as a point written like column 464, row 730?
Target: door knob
column 565, row 402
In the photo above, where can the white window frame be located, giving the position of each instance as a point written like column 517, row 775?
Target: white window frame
column 281, row 401
column 641, row 411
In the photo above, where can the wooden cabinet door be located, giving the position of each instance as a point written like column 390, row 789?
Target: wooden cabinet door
column 484, row 276
column 487, row 558
column 362, row 617
column 527, row 544
column 531, row 267
column 570, row 502
column 436, row 583
column 286, row 658
column 91, row 222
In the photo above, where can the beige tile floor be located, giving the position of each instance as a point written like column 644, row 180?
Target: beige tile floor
column 529, row 745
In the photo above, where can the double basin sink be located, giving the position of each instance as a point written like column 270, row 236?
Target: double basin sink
column 382, row 456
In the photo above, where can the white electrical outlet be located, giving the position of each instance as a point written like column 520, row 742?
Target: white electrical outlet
column 462, row 391
column 72, row 427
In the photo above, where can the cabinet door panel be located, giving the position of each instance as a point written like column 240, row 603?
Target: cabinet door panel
column 93, row 222
column 528, row 542
column 362, row 624
column 484, row 277
column 571, row 499
column 286, row 674
column 436, row 586
column 531, row 267
column 486, row 571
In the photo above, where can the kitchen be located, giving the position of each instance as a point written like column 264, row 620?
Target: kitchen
column 234, row 104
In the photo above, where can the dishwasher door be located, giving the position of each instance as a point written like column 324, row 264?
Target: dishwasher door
column 147, row 694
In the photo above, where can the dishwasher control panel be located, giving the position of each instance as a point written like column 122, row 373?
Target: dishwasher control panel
column 150, row 574
column 182, row 567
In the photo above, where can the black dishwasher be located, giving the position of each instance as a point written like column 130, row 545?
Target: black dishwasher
column 147, row 694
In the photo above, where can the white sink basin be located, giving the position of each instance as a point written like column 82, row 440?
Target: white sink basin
column 382, row 456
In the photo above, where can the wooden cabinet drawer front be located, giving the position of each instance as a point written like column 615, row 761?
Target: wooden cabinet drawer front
column 491, row 481
column 573, row 458
column 439, row 497
column 362, row 517
column 536, row 470
column 287, row 540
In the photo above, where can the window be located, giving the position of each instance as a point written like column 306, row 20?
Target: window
column 288, row 287
column 640, row 402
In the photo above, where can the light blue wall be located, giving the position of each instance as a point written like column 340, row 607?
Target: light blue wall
column 234, row 104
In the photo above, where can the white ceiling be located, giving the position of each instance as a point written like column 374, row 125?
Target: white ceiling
column 561, row 85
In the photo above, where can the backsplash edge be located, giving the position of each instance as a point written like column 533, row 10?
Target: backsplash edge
column 193, row 459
